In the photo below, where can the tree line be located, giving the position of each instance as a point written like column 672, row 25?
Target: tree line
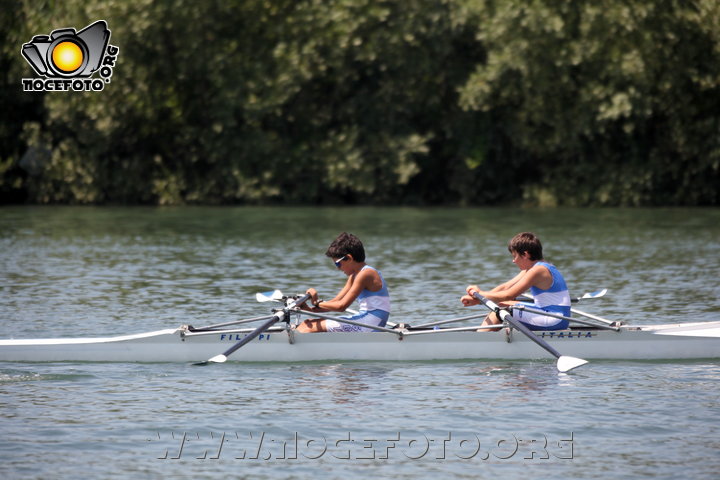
column 416, row 102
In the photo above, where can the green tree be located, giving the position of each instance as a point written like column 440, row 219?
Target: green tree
column 613, row 103
column 249, row 101
column 372, row 101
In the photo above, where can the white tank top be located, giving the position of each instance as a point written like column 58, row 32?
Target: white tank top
column 379, row 300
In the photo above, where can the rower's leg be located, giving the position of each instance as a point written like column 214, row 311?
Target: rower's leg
column 311, row 326
column 491, row 319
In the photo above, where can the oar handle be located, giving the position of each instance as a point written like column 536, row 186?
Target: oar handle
column 299, row 301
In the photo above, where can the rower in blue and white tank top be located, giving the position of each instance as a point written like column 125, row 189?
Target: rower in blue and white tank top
column 555, row 299
column 374, row 310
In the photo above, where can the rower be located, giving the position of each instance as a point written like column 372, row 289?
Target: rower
column 543, row 279
column 364, row 283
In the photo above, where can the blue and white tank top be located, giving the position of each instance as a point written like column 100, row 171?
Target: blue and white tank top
column 372, row 301
column 555, row 299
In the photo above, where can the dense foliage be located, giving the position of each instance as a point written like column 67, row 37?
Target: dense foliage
column 368, row 101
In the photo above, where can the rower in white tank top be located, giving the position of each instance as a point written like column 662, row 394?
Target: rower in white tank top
column 374, row 310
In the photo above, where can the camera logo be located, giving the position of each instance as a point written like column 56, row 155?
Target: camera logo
column 68, row 59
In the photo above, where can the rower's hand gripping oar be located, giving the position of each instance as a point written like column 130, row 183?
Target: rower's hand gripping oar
column 277, row 296
column 279, row 315
column 564, row 362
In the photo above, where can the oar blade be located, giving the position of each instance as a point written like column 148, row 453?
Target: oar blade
column 222, row 358
column 272, row 296
column 598, row 294
column 218, row 359
column 566, row 363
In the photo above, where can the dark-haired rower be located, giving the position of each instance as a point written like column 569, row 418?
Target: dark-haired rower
column 364, row 283
column 543, row 279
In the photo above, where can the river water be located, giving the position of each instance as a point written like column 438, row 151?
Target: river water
column 99, row 271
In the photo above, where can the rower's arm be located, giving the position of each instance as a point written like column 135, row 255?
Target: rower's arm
column 342, row 293
column 495, row 294
column 357, row 283
column 518, row 285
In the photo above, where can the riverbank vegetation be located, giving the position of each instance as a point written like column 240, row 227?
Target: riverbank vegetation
column 421, row 102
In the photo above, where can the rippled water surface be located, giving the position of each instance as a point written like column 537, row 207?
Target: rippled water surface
column 99, row 271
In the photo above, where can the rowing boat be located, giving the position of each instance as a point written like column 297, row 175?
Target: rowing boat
column 277, row 340
column 281, row 343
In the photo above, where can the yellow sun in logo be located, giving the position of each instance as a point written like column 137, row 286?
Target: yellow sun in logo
column 67, row 56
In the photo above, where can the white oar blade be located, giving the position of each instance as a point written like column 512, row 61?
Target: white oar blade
column 597, row 294
column 218, row 359
column 269, row 296
column 566, row 363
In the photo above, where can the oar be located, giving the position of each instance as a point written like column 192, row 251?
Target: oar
column 595, row 317
column 520, row 306
column 450, row 320
column 275, row 318
column 564, row 363
column 277, row 295
column 597, row 294
column 234, row 322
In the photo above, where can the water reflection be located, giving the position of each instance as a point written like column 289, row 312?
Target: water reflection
column 511, row 379
column 343, row 383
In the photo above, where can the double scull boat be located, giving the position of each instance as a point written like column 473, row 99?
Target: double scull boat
column 281, row 343
column 276, row 340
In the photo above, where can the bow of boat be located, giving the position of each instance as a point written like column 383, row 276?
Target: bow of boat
column 698, row 329
column 146, row 346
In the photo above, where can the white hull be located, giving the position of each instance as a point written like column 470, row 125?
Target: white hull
column 676, row 341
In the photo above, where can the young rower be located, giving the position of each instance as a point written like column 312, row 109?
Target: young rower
column 364, row 283
column 543, row 279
